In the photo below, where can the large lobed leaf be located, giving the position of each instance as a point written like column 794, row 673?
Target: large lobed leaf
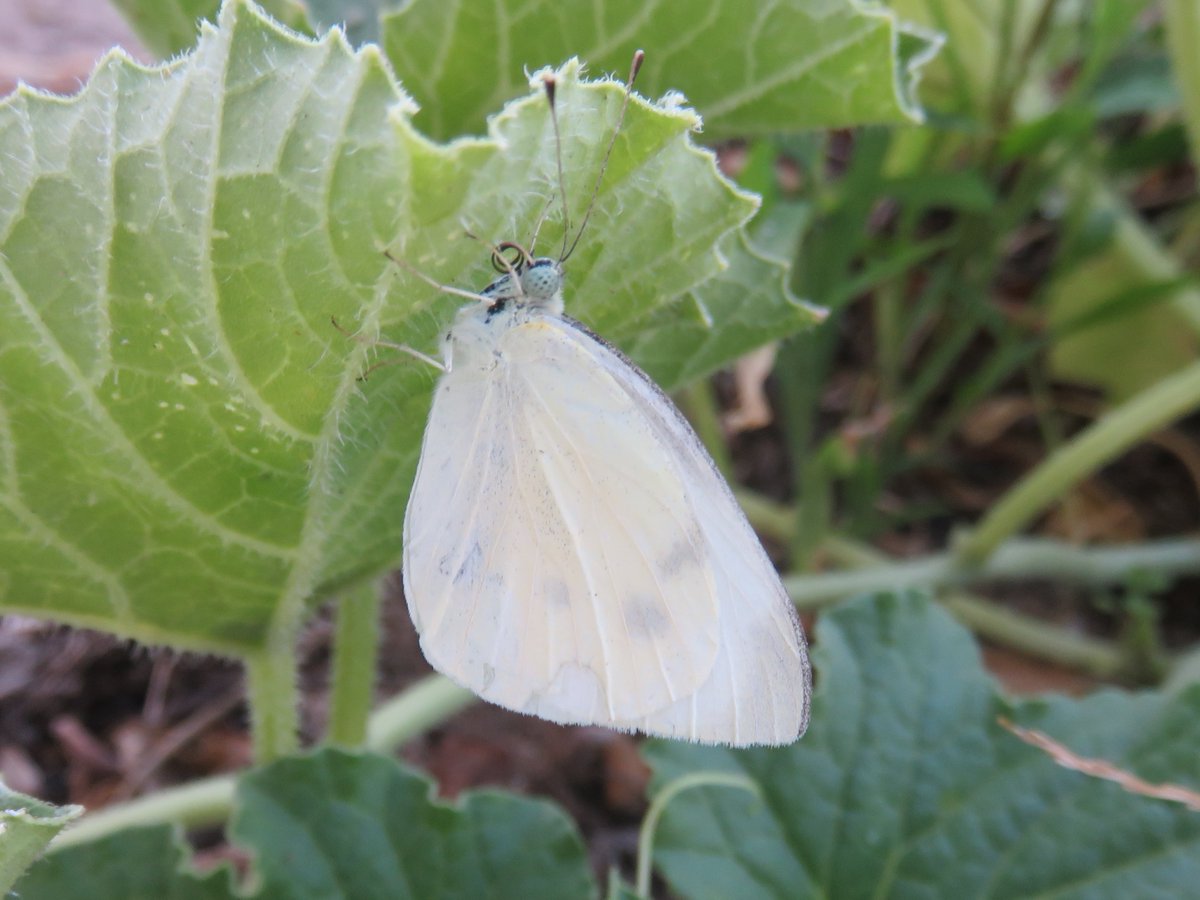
column 749, row 68
column 906, row 786
column 336, row 824
column 342, row 825
column 777, row 67
column 186, row 455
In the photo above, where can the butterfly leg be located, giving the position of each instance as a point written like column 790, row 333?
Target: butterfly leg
column 433, row 282
column 402, row 348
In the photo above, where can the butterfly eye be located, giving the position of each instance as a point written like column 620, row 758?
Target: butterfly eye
column 516, row 262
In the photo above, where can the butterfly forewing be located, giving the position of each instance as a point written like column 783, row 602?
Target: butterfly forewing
column 555, row 566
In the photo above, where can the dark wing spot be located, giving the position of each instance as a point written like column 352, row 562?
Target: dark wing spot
column 557, row 593
column 495, row 308
column 469, row 570
column 681, row 555
column 646, row 617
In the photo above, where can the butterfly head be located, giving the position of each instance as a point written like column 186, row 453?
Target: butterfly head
column 526, row 280
column 542, row 280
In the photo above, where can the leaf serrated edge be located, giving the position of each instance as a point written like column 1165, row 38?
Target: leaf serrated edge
column 908, row 71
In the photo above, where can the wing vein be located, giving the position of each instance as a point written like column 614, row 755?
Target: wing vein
column 596, row 492
column 580, row 556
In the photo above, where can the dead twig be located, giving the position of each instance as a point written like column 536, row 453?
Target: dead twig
column 1099, row 768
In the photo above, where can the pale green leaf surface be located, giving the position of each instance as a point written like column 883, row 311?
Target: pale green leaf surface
column 1129, row 344
column 186, row 455
column 905, row 785
column 1103, row 354
column 26, row 827
column 135, row 864
column 341, row 825
column 748, row 69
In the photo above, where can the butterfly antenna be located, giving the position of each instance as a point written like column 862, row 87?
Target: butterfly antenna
column 634, row 67
column 551, row 85
column 541, row 220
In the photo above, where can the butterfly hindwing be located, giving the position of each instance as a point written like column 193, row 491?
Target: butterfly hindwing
column 759, row 689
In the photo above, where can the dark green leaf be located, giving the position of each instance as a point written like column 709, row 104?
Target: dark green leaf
column 906, row 786
column 136, row 864
column 341, row 825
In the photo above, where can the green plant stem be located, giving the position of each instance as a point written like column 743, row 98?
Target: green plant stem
column 1017, row 559
column 355, row 649
column 1098, row 658
column 889, row 337
column 273, row 699
column 1182, row 32
column 851, row 554
column 1104, row 440
column 197, row 804
column 1027, row 558
column 427, row 703
column 210, row 801
column 658, row 806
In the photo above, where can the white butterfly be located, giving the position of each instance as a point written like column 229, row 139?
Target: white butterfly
column 570, row 549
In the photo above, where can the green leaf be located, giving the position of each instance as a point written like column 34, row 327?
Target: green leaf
column 982, row 40
column 333, row 824
column 1108, row 290
column 1182, row 31
column 26, row 827
column 168, row 27
column 906, row 786
column 337, row 824
column 743, row 307
column 1103, row 354
column 186, row 454
column 135, row 864
column 798, row 64
column 1135, row 85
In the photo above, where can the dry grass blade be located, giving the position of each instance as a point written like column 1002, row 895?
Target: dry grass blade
column 1100, row 768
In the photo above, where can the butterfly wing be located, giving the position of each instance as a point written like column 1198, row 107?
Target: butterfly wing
column 551, row 563
column 571, row 552
column 759, row 690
